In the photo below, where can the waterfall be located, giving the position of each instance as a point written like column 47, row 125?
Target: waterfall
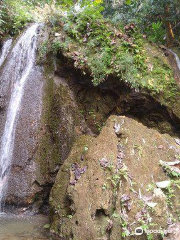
column 176, row 57
column 5, row 50
column 22, row 59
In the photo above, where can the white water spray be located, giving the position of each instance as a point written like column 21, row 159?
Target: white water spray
column 22, row 59
column 5, row 50
column 176, row 57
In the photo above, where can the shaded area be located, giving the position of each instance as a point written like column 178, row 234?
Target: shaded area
column 96, row 104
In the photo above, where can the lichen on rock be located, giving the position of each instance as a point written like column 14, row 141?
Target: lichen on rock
column 117, row 190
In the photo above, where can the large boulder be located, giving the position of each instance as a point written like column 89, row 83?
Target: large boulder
column 112, row 184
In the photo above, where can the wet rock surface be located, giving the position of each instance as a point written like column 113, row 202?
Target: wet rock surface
column 45, row 130
column 59, row 125
column 21, row 189
column 21, row 93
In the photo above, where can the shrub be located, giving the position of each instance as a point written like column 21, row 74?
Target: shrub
column 156, row 32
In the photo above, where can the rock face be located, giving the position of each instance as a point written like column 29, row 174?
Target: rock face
column 44, row 136
column 44, row 132
column 106, row 188
column 20, row 73
column 59, row 122
column 174, row 231
column 21, row 188
column 45, row 128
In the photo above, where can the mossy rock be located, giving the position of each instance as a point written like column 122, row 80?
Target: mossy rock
column 116, row 187
column 59, row 120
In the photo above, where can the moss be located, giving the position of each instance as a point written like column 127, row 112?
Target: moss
column 48, row 154
column 87, row 203
column 103, row 51
column 59, row 200
column 59, row 120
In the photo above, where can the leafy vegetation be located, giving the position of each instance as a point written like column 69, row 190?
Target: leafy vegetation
column 13, row 16
column 149, row 16
column 158, row 19
column 108, row 51
column 99, row 46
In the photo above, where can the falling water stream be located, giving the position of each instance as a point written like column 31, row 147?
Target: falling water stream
column 20, row 62
column 5, row 50
column 176, row 58
column 24, row 52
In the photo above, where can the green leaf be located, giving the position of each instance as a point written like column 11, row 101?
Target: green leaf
column 47, row 226
column 128, row 2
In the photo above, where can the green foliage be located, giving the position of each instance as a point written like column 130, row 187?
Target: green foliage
column 99, row 49
column 3, row 17
column 70, row 216
column 169, row 170
column 90, row 29
column 56, row 46
column 20, row 16
column 13, row 16
column 47, row 226
column 95, row 45
column 33, row 3
column 148, row 15
column 156, row 32
column 169, row 195
column 43, row 49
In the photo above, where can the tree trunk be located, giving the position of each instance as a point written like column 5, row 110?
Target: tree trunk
column 169, row 29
